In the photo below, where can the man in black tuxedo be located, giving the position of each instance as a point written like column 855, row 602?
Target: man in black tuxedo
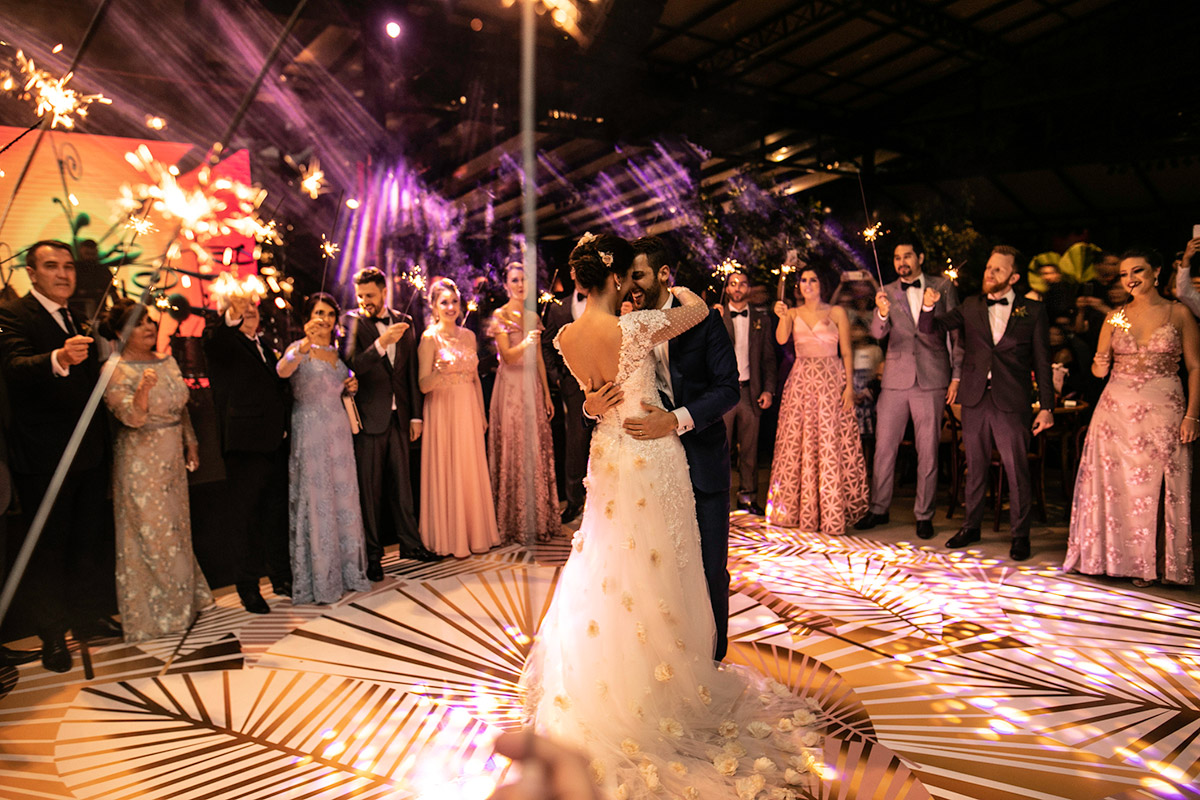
column 564, row 311
column 50, row 368
column 697, row 378
column 1005, row 339
column 253, row 410
column 750, row 329
column 381, row 347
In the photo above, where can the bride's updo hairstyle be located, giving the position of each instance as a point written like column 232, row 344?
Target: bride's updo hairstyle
column 597, row 257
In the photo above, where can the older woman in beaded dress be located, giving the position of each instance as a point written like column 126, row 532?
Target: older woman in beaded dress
column 160, row 588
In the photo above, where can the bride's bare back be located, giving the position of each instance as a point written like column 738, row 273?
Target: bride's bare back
column 591, row 347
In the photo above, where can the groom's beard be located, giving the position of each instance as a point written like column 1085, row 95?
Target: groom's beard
column 642, row 300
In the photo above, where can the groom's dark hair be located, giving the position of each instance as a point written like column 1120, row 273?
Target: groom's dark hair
column 656, row 251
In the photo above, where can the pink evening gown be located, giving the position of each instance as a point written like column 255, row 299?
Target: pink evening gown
column 818, row 475
column 457, row 512
column 1132, row 452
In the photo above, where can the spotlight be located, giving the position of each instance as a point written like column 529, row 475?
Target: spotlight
column 393, row 29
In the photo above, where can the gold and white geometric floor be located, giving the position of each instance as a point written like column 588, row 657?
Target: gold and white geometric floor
column 945, row 675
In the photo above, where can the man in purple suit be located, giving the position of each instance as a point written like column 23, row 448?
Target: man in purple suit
column 1006, row 340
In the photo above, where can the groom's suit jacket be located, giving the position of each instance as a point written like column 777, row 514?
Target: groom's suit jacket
column 704, row 378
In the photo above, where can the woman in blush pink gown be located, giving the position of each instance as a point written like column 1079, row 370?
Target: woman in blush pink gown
column 522, row 520
column 818, row 475
column 1135, row 457
column 457, row 514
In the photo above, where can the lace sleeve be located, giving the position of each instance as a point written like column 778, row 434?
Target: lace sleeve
column 680, row 319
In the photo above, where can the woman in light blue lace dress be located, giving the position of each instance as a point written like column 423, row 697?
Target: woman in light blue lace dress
column 327, row 542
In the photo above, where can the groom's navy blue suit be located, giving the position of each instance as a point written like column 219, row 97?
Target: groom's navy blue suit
column 704, row 378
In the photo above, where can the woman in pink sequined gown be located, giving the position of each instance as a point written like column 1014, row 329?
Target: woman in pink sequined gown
column 457, row 512
column 509, row 449
column 818, row 475
column 1136, row 445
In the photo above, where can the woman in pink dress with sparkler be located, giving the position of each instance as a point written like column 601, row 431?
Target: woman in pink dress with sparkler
column 818, row 475
column 457, row 514
column 515, row 461
column 1135, row 456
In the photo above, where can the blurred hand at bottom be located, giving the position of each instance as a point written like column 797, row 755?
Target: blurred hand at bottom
column 548, row 770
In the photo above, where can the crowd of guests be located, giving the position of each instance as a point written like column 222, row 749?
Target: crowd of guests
column 316, row 440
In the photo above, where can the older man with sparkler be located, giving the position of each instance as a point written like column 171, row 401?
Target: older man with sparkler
column 253, row 407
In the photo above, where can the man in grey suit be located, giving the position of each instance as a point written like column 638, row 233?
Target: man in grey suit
column 920, row 375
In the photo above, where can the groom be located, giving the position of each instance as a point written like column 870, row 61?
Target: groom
column 697, row 379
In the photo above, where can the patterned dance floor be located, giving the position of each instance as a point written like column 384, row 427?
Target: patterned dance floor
column 943, row 675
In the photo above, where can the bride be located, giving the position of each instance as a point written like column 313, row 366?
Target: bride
column 622, row 665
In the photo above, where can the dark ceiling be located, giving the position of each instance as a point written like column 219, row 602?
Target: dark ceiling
column 1044, row 116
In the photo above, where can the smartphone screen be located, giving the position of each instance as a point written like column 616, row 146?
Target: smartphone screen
column 1196, row 231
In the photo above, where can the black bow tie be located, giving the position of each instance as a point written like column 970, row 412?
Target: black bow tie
column 1003, row 301
column 904, row 287
column 745, row 312
column 580, row 297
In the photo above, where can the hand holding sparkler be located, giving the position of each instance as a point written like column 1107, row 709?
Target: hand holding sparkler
column 393, row 334
column 882, row 304
column 74, row 351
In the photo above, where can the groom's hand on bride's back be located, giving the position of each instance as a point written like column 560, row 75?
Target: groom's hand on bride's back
column 655, row 425
column 597, row 401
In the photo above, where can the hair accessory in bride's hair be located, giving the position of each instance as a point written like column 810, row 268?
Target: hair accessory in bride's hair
column 606, row 258
column 586, row 239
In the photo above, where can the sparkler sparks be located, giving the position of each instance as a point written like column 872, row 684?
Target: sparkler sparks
column 215, row 206
column 140, row 225
column 951, row 271
column 228, row 285
column 728, row 267
column 51, row 95
column 873, row 232
column 1119, row 320
column 328, row 248
column 312, row 178
column 472, row 305
column 547, row 297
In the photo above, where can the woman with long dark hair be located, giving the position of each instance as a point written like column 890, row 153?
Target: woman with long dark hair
column 1135, row 456
column 327, row 540
column 818, row 475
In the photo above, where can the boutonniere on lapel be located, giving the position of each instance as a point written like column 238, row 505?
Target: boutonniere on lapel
column 758, row 324
column 1020, row 311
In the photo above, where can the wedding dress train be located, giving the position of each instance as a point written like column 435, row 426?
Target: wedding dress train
column 622, row 666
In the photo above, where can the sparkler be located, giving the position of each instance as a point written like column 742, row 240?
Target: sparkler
column 1119, row 320
column 51, row 96
column 216, row 206
column 329, row 248
column 873, row 232
column 140, row 225
column 792, row 262
column 951, row 271
column 312, row 178
column 547, row 298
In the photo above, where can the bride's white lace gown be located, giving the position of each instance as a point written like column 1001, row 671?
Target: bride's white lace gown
column 622, row 666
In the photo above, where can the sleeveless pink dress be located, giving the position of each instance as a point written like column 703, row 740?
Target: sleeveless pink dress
column 818, row 475
column 458, row 515
column 1132, row 462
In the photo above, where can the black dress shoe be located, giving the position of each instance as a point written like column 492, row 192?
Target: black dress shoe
column 282, row 588
column 1020, row 548
column 15, row 658
column 374, row 571
column 750, row 507
column 99, row 628
column 423, row 554
column 870, row 521
column 964, row 537
column 924, row 529
column 55, row 655
column 253, row 602
column 571, row 513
